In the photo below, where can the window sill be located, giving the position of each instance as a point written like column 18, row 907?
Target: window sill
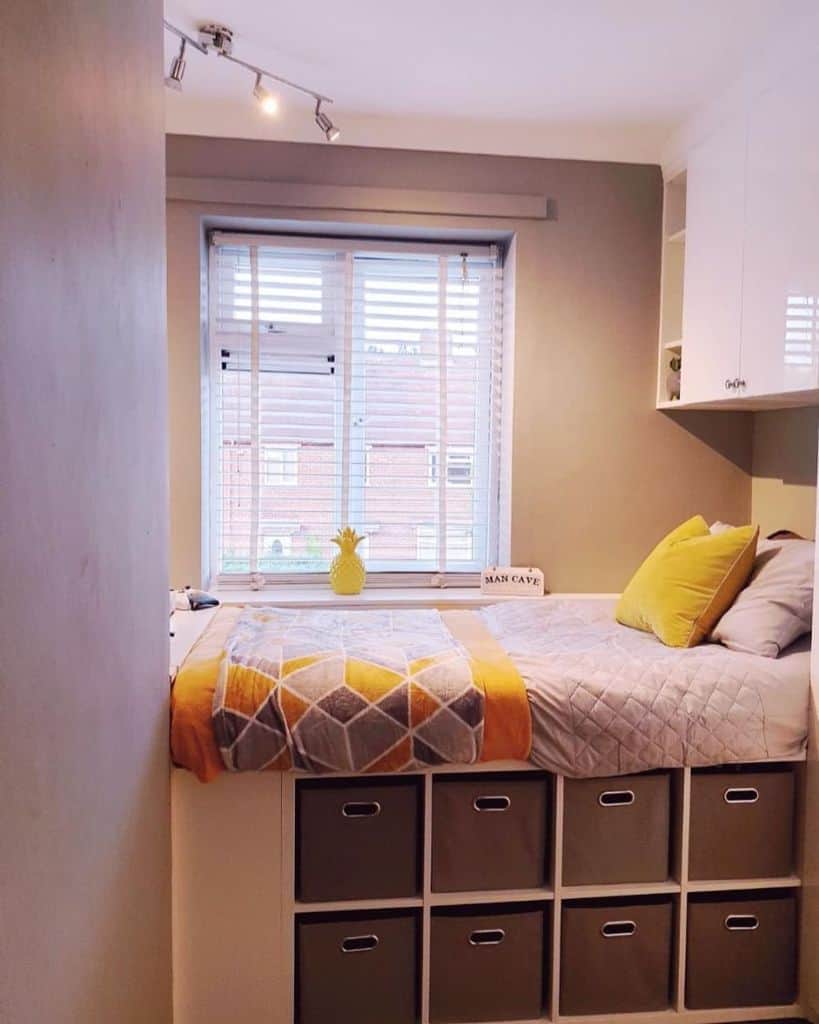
column 316, row 596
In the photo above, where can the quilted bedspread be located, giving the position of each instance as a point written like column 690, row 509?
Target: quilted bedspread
column 609, row 700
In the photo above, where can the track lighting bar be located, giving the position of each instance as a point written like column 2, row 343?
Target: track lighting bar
column 220, row 39
column 319, row 97
column 184, row 37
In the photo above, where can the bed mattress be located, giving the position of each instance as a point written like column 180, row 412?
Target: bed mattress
column 608, row 700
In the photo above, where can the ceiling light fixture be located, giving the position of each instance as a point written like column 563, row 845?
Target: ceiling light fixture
column 219, row 38
column 267, row 101
column 331, row 133
column 177, row 72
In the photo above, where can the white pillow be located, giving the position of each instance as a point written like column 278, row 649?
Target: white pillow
column 776, row 606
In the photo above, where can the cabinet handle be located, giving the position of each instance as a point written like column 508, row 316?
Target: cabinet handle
column 358, row 943
column 366, row 809
column 741, row 922
column 487, row 937
column 618, row 929
column 748, row 795
column 616, row 798
column 491, row 803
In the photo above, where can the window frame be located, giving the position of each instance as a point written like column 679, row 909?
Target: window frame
column 498, row 495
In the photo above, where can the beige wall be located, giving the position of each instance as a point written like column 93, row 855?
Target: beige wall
column 84, row 841
column 783, row 491
column 598, row 474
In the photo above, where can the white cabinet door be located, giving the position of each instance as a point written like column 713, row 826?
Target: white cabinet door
column 715, row 209
column 780, row 304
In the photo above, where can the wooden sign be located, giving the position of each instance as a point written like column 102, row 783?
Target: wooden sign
column 512, row 581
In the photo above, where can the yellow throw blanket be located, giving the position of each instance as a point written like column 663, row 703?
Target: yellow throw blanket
column 358, row 691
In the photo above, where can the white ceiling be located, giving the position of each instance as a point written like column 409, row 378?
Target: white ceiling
column 592, row 79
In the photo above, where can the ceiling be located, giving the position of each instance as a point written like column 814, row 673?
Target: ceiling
column 586, row 79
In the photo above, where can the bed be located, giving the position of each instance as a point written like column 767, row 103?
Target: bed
column 598, row 699
column 601, row 700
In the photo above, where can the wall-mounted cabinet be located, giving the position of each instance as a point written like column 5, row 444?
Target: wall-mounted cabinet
column 780, row 295
column 743, row 287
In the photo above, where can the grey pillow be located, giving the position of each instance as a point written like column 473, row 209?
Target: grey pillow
column 775, row 607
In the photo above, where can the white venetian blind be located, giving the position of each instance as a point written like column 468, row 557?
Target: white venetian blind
column 353, row 383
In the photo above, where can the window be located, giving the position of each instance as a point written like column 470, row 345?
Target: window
column 280, row 466
column 459, row 467
column 338, row 372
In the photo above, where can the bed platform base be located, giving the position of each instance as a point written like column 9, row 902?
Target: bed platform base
column 292, row 892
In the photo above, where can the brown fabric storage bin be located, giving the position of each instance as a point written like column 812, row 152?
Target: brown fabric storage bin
column 615, row 957
column 490, row 831
column 357, row 969
column 358, row 840
column 487, row 964
column 616, row 830
column 741, row 950
column 742, row 823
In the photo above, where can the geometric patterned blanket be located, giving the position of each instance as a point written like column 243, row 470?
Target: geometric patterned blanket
column 365, row 691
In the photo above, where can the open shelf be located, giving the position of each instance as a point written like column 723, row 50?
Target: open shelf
column 625, row 889
column 335, row 906
column 740, row 884
column 672, row 281
column 462, row 899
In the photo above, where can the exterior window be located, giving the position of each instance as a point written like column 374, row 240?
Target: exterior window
column 338, row 373
column 459, row 467
column 280, row 466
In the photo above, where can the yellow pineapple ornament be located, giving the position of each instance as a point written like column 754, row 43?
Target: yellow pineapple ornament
column 347, row 572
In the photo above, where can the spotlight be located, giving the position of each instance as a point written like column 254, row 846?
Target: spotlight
column 323, row 121
column 267, row 101
column 174, row 79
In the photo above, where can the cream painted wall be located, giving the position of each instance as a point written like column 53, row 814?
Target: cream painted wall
column 84, row 841
column 598, row 475
column 783, row 489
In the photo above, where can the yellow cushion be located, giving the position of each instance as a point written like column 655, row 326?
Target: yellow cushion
column 688, row 581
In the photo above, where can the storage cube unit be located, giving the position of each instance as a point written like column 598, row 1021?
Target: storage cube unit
column 358, row 839
column 742, row 823
column 495, row 896
column 487, row 964
column 490, row 831
column 357, row 969
column 616, row 956
column 741, row 950
column 616, row 830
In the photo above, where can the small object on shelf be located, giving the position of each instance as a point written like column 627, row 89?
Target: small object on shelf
column 257, row 581
column 347, row 571
column 674, row 378
column 190, row 600
column 512, row 581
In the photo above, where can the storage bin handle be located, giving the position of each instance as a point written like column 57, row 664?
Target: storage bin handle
column 487, row 937
column 492, row 803
column 618, row 929
column 358, row 943
column 361, row 809
column 616, row 797
column 742, row 922
column 741, row 795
